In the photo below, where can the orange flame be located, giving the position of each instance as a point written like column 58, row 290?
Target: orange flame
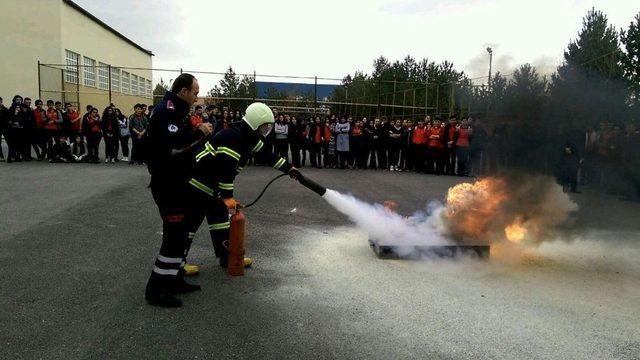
column 471, row 208
column 515, row 232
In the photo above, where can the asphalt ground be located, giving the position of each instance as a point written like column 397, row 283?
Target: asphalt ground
column 77, row 243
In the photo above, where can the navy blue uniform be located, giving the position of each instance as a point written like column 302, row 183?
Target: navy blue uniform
column 171, row 145
column 215, row 167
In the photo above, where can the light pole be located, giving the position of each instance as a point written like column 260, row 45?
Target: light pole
column 490, row 51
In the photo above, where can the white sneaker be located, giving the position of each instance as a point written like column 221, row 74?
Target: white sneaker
column 124, row 159
column 106, row 160
column 113, row 161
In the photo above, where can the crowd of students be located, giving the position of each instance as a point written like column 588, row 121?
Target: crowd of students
column 429, row 145
column 61, row 134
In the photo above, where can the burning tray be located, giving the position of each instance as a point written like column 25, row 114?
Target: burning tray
column 394, row 251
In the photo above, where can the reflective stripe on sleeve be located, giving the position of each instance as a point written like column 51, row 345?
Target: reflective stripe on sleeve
column 157, row 270
column 258, row 146
column 230, row 152
column 220, row 226
column 168, row 260
column 225, row 186
column 202, row 187
column 279, row 163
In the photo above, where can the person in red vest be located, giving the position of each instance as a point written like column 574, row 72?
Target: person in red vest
column 111, row 131
column 450, row 147
column 52, row 122
column 93, row 133
column 196, row 119
column 436, row 148
column 40, row 116
column 419, row 139
column 74, row 120
column 462, row 141
column 316, row 135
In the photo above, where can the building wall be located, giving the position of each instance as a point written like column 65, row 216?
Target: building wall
column 35, row 30
column 83, row 36
column 30, row 31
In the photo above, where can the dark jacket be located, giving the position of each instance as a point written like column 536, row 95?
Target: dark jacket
column 220, row 160
column 170, row 142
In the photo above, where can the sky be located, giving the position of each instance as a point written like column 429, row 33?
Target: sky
column 333, row 38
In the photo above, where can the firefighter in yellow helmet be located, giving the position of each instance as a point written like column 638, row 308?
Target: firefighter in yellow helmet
column 216, row 165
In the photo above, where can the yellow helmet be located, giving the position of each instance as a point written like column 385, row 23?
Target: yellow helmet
column 258, row 114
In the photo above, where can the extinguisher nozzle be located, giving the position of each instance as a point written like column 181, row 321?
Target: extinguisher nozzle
column 312, row 185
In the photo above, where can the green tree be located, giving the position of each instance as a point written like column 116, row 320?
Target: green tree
column 233, row 91
column 589, row 86
column 631, row 60
column 159, row 91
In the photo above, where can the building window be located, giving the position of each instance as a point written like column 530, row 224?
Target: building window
column 125, row 82
column 134, row 84
column 71, row 72
column 149, row 88
column 115, row 79
column 89, row 72
column 103, row 76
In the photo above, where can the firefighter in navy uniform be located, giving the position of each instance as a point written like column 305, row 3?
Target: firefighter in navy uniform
column 217, row 164
column 171, row 146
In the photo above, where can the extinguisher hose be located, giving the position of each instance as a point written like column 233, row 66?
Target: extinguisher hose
column 264, row 190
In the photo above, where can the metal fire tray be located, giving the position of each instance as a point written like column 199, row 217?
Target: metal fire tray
column 394, row 251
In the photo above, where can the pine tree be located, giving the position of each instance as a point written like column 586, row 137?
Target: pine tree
column 631, row 60
column 589, row 88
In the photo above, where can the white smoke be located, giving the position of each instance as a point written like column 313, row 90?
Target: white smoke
column 388, row 227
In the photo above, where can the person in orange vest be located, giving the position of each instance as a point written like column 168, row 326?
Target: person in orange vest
column 418, row 150
column 316, row 135
column 40, row 115
column 93, row 133
column 196, row 118
column 75, row 121
column 435, row 160
column 450, row 146
column 52, row 122
column 462, row 141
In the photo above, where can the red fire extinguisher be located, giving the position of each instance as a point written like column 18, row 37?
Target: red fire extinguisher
column 236, row 244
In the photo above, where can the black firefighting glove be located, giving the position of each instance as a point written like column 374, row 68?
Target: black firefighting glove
column 294, row 173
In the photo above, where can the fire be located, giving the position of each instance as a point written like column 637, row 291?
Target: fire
column 471, row 208
column 515, row 232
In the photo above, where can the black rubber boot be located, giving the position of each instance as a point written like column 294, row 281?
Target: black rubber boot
column 163, row 300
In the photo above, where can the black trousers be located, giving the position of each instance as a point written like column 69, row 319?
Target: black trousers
column 110, row 147
column 137, row 151
column 295, row 154
column 450, row 161
column 435, row 160
column 394, row 154
column 93, row 143
column 380, row 152
column 212, row 208
column 316, row 155
column 123, row 141
column 342, row 159
column 2, row 131
column 171, row 197
column 282, row 148
column 462, row 154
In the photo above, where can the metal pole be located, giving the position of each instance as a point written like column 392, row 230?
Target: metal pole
column 426, row 99
column 451, row 99
column 180, row 71
column 315, row 94
column 393, row 99
column 490, row 51
column 78, row 81
column 110, row 102
column 346, row 100
column 62, row 85
column 255, row 86
column 438, row 100
column 379, row 89
column 39, row 83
